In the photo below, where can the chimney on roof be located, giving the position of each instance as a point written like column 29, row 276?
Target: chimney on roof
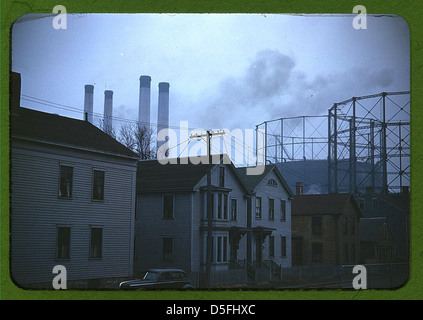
column 144, row 101
column 405, row 190
column 108, row 111
column 369, row 190
column 15, row 91
column 299, row 188
column 88, row 102
column 163, row 109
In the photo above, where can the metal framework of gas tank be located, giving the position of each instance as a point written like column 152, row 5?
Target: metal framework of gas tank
column 365, row 140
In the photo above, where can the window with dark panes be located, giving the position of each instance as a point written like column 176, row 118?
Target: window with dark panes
column 271, row 246
column 271, row 209
column 234, row 209
column 168, row 207
column 66, row 180
column 317, row 252
column 225, row 206
column 221, row 176
column 283, row 210
column 219, row 206
column 63, row 243
column 374, row 203
column 283, row 246
column 258, row 207
column 96, row 242
column 316, row 226
column 98, row 185
column 167, row 249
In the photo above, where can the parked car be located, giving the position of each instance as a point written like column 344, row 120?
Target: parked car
column 159, row 279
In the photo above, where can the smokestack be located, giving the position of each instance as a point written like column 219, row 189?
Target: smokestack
column 108, row 111
column 163, row 109
column 144, row 101
column 299, row 188
column 88, row 102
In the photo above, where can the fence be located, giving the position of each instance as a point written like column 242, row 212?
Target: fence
column 271, row 275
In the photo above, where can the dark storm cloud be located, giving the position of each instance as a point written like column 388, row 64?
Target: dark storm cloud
column 271, row 87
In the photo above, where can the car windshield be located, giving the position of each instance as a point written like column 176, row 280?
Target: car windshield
column 151, row 276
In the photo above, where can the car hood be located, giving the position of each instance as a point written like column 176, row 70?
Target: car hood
column 136, row 282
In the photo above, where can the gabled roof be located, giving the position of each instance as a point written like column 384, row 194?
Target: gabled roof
column 152, row 176
column 370, row 228
column 50, row 128
column 401, row 201
column 321, row 204
column 252, row 181
column 184, row 175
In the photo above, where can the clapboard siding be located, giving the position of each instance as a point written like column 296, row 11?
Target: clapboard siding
column 151, row 228
column 37, row 211
column 283, row 228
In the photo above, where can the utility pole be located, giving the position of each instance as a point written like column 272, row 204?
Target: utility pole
column 209, row 252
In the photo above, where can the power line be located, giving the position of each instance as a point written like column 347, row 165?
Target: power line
column 121, row 119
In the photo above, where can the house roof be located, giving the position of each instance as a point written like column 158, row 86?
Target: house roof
column 401, row 201
column 370, row 228
column 184, row 175
column 318, row 204
column 51, row 128
column 153, row 176
column 252, row 181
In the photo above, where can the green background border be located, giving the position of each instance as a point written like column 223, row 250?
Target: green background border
column 411, row 11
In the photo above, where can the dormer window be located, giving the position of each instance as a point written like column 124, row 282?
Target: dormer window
column 272, row 182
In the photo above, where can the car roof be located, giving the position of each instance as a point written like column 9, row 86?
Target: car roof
column 166, row 270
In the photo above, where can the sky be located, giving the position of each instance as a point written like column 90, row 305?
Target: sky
column 225, row 70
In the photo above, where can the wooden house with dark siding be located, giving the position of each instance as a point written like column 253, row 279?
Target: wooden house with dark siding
column 171, row 218
column 325, row 229
column 377, row 242
column 270, row 217
column 72, row 201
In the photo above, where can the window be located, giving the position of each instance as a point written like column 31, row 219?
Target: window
column 271, row 209
column 283, row 210
column 317, row 252
column 98, row 185
column 346, row 258
column 168, row 207
column 221, row 176
column 361, row 201
column 258, row 207
column 283, row 246
column 222, row 249
column 222, row 206
column 219, row 206
column 63, row 243
column 272, row 183
column 353, row 225
column 345, row 225
column 66, row 177
column 96, row 243
column 225, row 206
column 352, row 252
column 374, row 203
column 271, row 247
column 234, row 209
column 167, row 249
column 316, row 226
